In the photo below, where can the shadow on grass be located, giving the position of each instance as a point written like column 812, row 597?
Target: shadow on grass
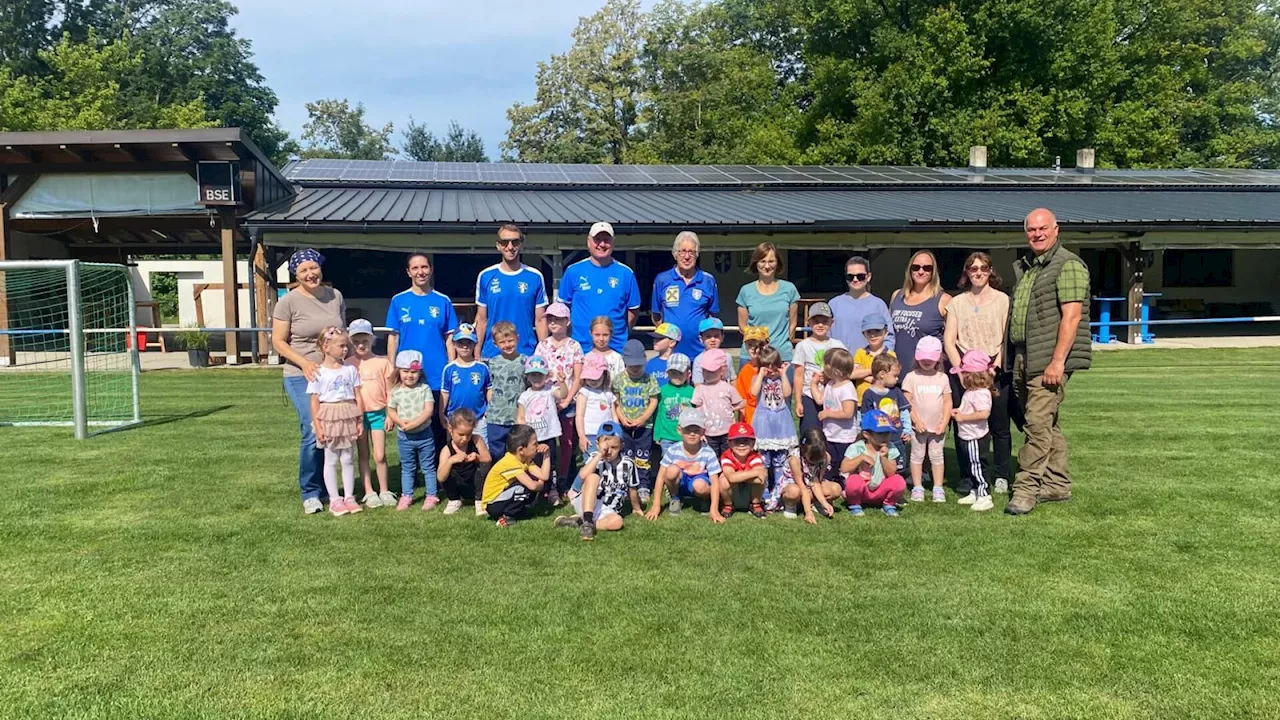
column 166, row 419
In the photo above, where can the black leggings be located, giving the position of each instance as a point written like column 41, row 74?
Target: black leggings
column 1001, row 434
column 456, row 485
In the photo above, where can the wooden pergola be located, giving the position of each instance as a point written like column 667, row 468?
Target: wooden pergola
column 25, row 157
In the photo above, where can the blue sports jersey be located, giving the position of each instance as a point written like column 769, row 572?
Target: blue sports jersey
column 592, row 291
column 514, row 297
column 657, row 367
column 468, row 387
column 685, row 305
column 423, row 322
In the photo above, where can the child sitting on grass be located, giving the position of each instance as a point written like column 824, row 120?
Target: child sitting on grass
column 514, row 482
column 689, row 468
column 608, row 478
column 815, row 467
column 871, row 465
column 464, row 462
column 743, row 476
column 375, row 388
column 973, row 435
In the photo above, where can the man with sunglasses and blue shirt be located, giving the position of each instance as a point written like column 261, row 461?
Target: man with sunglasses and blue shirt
column 849, row 309
column 600, row 285
column 511, row 291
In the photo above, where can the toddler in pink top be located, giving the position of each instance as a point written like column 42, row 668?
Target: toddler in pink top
column 375, row 385
column 973, row 436
column 929, row 391
column 720, row 402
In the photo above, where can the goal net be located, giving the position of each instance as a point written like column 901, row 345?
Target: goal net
column 68, row 345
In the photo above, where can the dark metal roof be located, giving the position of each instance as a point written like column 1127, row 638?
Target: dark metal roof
column 645, row 210
column 379, row 173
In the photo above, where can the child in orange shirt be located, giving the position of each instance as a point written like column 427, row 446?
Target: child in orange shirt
column 754, row 337
column 375, row 371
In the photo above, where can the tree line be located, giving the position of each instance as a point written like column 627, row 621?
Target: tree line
column 1169, row 83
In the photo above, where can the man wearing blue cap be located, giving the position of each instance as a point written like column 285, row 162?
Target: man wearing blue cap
column 685, row 295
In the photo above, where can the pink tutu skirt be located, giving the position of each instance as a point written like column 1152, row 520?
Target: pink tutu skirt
column 340, row 423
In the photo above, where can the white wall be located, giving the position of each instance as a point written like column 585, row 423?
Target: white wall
column 190, row 273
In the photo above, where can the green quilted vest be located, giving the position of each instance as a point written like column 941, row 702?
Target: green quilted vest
column 1044, row 313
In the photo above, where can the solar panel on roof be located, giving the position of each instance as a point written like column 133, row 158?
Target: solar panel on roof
column 627, row 174
column 584, row 173
column 669, row 175
column 500, row 173
column 418, row 171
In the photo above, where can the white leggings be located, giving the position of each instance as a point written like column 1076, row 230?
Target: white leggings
column 331, row 460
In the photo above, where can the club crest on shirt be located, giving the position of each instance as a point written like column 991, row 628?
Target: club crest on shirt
column 435, row 312
column 475, row 378
column 696, row 293
column 522, row 287
column 672, row 296
column 613, row 282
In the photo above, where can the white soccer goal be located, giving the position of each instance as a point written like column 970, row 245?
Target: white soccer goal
column 68, row 346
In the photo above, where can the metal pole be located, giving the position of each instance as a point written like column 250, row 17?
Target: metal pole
column 254, row 239
column 79, row 389
column 134, row 350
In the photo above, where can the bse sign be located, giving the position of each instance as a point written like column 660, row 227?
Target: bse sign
column 219, row 183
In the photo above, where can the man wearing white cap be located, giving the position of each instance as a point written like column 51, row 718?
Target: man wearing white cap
column 600, row 285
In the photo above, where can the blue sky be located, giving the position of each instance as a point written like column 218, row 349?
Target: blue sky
column 464, row 60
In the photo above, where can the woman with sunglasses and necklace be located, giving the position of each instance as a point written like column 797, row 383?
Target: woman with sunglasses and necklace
column 918, row 308
column 511, row 291
column 978, row 319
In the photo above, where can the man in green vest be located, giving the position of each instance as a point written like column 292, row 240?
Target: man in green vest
column 1050, row 336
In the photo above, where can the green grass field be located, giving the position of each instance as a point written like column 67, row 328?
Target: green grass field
column 168, row 572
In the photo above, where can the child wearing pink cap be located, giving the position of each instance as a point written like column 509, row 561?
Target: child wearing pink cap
column 929, row 392
column 720, row 402
column 973, row 436
column 564, row 356
column 595, row 403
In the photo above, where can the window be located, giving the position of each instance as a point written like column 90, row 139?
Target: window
column 1199, row 268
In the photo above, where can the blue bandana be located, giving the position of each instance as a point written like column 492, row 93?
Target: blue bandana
column 301, row 256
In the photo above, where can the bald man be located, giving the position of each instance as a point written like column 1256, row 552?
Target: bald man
column 1049, row 330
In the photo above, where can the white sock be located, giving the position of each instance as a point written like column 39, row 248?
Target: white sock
column 348, row 473
column 331, row 473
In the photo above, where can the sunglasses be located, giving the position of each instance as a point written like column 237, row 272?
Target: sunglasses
column 602, row 239
column 515, row 242
column 975, row 269
column 922, row 268
column 855, row 277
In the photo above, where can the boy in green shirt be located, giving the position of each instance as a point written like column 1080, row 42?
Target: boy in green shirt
column 673, row 397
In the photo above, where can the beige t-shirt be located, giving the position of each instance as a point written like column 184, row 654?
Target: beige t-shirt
column 979, row 326
column 308, row 317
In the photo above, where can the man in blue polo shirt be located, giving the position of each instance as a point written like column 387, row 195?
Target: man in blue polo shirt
column 685, row 295
column 421, row 318
column 511, row 291
column 599, row 286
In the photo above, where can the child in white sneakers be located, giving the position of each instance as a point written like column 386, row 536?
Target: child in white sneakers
column 929, row 392
column 464, row 462
column 375, row 387
column 337, row 412
column 973, row 436
column 409, row 410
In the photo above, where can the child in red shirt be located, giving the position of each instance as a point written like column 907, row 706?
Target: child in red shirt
column 742, row 471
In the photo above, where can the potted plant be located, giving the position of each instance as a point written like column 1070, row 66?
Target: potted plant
column 196, row 341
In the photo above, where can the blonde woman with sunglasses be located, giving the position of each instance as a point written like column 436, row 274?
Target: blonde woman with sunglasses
column 919, row 308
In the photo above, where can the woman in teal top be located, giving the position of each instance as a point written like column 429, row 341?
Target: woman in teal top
column 769, row 301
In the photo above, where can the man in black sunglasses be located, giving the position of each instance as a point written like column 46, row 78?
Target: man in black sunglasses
column 850, row 308
column 511, row 291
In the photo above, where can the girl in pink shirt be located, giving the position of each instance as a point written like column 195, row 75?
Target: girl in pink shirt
column 930, row 394
column 375, row 372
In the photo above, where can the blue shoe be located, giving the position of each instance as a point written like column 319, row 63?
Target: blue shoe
column 856, row 510
column 891, row 511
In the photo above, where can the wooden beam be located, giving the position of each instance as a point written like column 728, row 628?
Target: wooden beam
column 95, row 166
column 23, row 153
column 78, row 155
column 132, row 152
column 18, row 187
column 187, row 152
column 227, row 225
column 8, row 356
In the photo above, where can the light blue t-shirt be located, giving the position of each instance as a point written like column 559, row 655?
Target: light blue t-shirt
column 514, row 297
column 876, row 469
column 592, row 291
column 846, row 326
column 423, row 322
column 468, row 387
column 772, row 311
column 685, row 305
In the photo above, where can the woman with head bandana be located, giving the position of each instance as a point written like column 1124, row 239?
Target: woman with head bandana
column 299, row 318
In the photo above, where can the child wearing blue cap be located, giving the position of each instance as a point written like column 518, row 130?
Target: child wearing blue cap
column 465, row 382
column 711, row 332
column 871, row 465
column 609, row 477
column 874, row 330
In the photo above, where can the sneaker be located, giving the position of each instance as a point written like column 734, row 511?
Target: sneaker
column 940, row 495
column 967, row 499
column 372, row 500
column 553, row 497
column 588, row 531
column 505, row 522
column 404, row 502
column 479, row 509
column 452, row 507
column 1002, row 486
column 891, row 511
column 856, row 510
column 789, row 513
column 757, row 509
column 388, row 498
column 311, row 506
column 917, row 494
column 430, row 503
column 674, row 506
column 338, row 507
column 567, row 521
column 983, row 504
column 726, row 511
column 353, row 507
